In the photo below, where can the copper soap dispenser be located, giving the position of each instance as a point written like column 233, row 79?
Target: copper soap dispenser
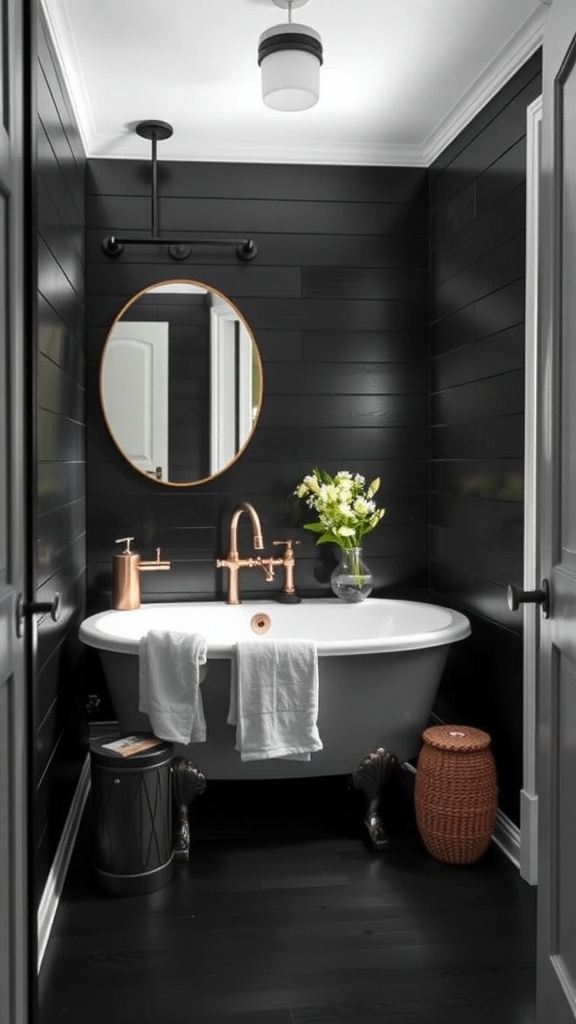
column 126, row 569
column 125, row 577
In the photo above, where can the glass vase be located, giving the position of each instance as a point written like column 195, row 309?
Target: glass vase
column 351, row 580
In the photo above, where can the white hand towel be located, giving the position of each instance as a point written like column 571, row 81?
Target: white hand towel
column 274, row 699
column 169, row 684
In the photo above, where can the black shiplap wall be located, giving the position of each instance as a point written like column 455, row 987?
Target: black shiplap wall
column 477, row 234
column 337, row 299
column 60, row 491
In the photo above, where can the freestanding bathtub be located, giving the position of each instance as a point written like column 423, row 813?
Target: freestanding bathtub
column 380, row 664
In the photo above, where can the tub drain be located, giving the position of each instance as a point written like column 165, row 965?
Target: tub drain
column 260, row 623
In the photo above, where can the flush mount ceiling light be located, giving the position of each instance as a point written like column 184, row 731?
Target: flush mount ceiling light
column 290, row 57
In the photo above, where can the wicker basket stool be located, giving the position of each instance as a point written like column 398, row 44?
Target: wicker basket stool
column 455, row 793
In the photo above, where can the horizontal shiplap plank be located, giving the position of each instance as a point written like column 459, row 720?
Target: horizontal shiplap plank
column 122, row 214
column 260, row 182
column 488, row 357
column 490, row 315
column 111, row 289
column 482, row 438
column 463, row 250
column 59, row 439
column 58, row 392
column 58, row 291
column 57, row 342
column 493, row 270
column 500, row 479
column 346, row 411
column 482, row 518
column 490, row 397
column 497, row 562
column 368, row 283
column 347, row 379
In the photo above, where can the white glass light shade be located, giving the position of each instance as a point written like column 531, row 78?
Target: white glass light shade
column 290, row 57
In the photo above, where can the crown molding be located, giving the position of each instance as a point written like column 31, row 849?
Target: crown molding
column 366, row 156
column 519, row 48
column 59, row 29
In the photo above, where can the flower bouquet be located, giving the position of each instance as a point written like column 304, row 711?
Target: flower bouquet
column 346, row 512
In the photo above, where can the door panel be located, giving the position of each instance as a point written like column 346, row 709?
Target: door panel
column 556, row 990
column 135, row 382
column 14, row 973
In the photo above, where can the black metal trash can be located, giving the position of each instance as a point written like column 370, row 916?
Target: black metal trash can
column 132, row 818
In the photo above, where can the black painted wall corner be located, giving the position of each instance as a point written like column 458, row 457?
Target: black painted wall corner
column 60, row 727
column 477, row 283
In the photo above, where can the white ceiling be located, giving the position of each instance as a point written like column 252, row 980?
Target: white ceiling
column 398, row 81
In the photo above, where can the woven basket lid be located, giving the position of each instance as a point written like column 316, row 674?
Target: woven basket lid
column 456, row 737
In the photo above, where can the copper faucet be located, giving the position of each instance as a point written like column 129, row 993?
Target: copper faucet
column 234, row 563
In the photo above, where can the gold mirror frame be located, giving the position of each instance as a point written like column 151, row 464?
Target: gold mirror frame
column 225, row 306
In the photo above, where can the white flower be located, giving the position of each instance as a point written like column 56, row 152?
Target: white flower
column 344, row 506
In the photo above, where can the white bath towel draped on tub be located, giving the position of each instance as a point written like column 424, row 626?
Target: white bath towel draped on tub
column 274, row 699
column 169, row 684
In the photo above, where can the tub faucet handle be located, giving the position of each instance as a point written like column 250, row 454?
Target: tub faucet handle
column 267, row 565
column 289, row 543
column 288, row 593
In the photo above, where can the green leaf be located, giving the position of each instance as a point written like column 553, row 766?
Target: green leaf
column 323, row 476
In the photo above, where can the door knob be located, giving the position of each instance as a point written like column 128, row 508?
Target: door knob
column 26, row 610
column 516, row 597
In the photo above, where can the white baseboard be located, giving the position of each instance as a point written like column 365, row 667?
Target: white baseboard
column 55, row 881
column 507, row 837
column 529, row 830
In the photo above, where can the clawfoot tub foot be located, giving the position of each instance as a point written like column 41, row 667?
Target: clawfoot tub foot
column 188, row 782
column 372, row 774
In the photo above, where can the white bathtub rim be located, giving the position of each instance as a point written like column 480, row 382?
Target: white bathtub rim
column 93, row 630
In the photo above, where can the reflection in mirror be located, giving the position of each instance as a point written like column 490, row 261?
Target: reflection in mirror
column 180, row 382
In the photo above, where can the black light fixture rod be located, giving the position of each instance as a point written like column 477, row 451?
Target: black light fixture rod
column 178, row 248
column 154, row 194
column 153, row 131
column 246, row 248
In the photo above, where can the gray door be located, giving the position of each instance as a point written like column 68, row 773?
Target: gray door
column 13, row 912
column 556, row 999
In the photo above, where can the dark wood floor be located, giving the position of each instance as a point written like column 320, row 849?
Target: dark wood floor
column 284, row 916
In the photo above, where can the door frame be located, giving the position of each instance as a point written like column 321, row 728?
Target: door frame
column 531, row 613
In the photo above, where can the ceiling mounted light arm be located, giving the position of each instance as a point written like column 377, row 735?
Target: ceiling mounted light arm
column 178, row 248
column 290, row 57
column 154, row 131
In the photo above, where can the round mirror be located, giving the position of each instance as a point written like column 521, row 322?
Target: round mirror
column 180, row 382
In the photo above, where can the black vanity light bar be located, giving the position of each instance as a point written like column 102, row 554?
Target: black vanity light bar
column 179, row 249
column 246, row 248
